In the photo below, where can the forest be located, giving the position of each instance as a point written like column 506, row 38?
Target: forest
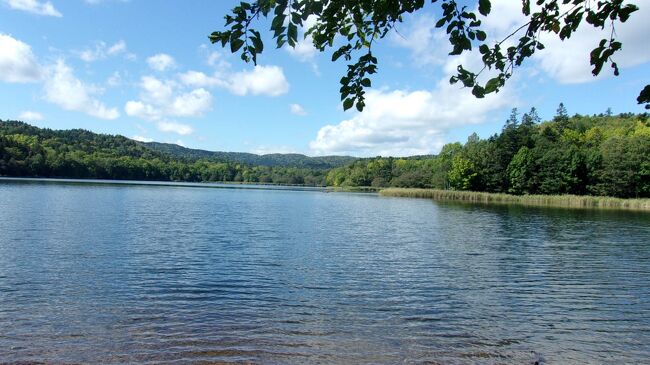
column 604, row 155
column 28, row 151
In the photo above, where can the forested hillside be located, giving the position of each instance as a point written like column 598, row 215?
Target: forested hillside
column 596, row 155
column 274, row 159
column 30, row 151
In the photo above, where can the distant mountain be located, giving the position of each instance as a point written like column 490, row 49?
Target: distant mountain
column 272, row 160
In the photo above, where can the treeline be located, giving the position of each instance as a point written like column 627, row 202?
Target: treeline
column 595, row 155
column 27, row 151
column 273, row 159
column 583, row 155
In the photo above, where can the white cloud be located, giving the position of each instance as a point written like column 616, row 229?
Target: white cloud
column 568, row 61
column 158, row 100
column 173, row 127
column 30, row 116
column 17, row 62
column 428, row 45
column 65, row 90
column 218, row 60
column 304, row 50
column 402, row 123
column 141, row 110
column 156, row 91
column 565, row 61
column 141, row 139
column 261, row 80
column 194, row 103
column 297, row 109
column 34, row 7
column 117, row 48
column 102, row 51
column 161, row 62
column 199, row 79
column 115, row 79
column 161, row 99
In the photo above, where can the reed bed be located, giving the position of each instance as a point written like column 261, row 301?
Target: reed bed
column 562, row 201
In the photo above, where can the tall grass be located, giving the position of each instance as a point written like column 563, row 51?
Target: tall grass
column 565, row 201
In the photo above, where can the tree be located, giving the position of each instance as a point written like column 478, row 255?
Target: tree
column 462, row 173
column 353, row 26
column 561, row 117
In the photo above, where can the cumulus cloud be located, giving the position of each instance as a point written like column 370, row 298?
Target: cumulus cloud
column 65, row 90
column 30, row 116
column 568, row 61
column 173, row 127
column 17, row 62
column 159, row 99
column 200, row 79
column 565, row 61
column 162, row 99
column 401, row 123
column 261, row 80
column 297, row 109
column 304, row 50
column 141, row 139
column 161, row 62
column 34, row 6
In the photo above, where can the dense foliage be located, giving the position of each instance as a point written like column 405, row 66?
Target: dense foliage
column 29, row 151
column 597, row 155
column 351, row 27
column 273, row 159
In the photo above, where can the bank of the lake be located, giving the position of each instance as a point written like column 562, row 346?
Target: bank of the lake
column 559, row 201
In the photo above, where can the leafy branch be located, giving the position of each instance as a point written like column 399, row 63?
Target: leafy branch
column 351, row 27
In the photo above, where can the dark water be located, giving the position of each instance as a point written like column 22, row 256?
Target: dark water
column 154, row 274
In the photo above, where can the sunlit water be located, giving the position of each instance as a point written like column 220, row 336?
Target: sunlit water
column 155, row 274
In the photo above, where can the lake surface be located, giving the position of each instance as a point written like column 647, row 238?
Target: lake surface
column 97, row 273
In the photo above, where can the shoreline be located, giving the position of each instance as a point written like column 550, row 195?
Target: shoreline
column 554, row 201
column 471, row 197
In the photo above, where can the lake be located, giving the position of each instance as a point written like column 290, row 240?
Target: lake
column 104, row 273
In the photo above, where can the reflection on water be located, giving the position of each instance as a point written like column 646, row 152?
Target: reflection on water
column 134, row 274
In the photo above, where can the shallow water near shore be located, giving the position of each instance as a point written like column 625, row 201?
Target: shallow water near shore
column 102, row 273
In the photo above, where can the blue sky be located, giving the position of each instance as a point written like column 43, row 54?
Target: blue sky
column 145, row 69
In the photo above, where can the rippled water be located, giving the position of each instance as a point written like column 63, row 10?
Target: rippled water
column 137, row 274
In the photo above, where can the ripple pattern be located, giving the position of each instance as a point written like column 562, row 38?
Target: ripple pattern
column 176, row 275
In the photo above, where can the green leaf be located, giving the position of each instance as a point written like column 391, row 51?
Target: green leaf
column 235, row 44
column 347, row 103
column 492, row 85
column 292, row 34
column 365, row 82
column 257, row 43
column 484, row 7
